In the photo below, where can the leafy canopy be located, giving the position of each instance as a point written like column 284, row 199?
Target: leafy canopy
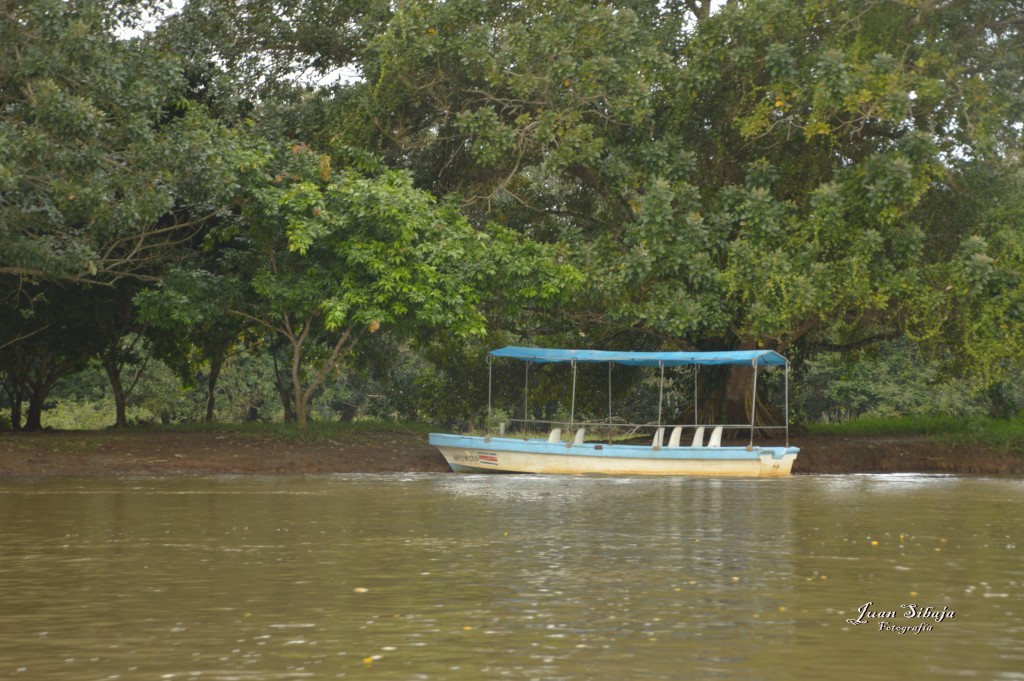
column 763, row 173
column 105, row 166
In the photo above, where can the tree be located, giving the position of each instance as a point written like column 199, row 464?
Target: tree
column 104, row 165
column 190, row 322
column 60, row 340
column 119, row 335
column 758, row 175
column 110, row 166
column 334, row 253
column 985, row 312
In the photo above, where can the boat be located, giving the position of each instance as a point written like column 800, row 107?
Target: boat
column 685, row 451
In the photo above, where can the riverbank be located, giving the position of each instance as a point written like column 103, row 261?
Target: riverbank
column 147, row 452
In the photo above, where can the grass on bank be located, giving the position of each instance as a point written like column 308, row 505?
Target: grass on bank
column 1007, row 434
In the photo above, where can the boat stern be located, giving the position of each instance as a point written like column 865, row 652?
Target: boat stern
column 777, row 462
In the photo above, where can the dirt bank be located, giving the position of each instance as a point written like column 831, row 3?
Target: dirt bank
column 901, row 455
column 142, row 452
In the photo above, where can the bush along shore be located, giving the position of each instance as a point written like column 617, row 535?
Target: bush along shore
column 386, row 447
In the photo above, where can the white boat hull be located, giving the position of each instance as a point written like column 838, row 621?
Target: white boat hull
column 510, row 455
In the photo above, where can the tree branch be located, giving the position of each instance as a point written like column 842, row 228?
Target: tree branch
column 862, row 343
column 330, row 362
column 18, row 339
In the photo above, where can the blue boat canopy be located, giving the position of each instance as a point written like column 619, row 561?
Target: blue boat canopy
column 643, row 359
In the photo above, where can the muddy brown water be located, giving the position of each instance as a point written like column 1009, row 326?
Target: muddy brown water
column 440, row 576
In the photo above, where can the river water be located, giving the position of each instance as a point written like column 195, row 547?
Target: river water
column 518, row 577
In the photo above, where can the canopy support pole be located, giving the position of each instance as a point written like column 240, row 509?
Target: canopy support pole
column 661, row 388
column 490, row 383
column 572, row 410
column 610, row 364
column 787, row 402
column 526, row 399
column 696, row 370
column 753, row 405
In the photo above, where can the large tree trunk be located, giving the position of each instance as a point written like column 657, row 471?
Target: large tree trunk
column 301, row 400
column 34, row 416
column 40, row 390
column 727, row 396
column 120, row 398
column 287, row 404
column 14, row 396
column 736, row 396
column 16, row 413
column 283, row 392
column 216, row 362
column 298, row 341
column 300, row 408
column 37, row 373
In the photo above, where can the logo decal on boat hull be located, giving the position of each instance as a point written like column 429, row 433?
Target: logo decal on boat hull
column 489, row 459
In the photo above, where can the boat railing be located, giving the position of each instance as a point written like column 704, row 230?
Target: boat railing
column 755, row 358
column 605, row 430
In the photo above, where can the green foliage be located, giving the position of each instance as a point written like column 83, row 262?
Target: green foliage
column 1007, row 434
column 103, row 165
column 895, row 379
column 268, row 46
column 803, row 176
column 49, row 331
column 77, row 415
column 353, row 248
column 84, row 400
column 529, row 89
column 334, row 254
column 986, row 282
column 824, row 149
column 762, row 176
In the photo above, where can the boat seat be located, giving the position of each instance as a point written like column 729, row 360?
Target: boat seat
column 698, row 437
column 659, row 438
column 578, row 440
column 555, row 435
column 716, row 437
column 677, row 434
